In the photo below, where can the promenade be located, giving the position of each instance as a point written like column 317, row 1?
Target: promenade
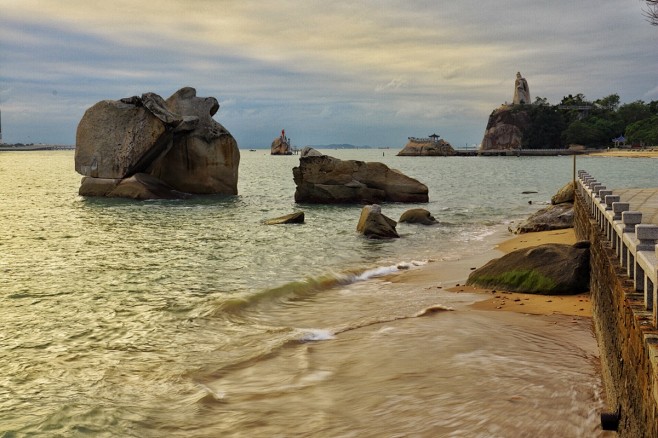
column 622, row 227
column 642, row 200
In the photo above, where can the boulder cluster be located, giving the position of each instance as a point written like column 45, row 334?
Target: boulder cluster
column 145, row 147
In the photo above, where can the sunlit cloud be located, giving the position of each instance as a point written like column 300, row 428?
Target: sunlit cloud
column 326, row 69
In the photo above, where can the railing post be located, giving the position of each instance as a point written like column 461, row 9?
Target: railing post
column 617, row 209
column 607, row 214
column 630, row 219
column 647, row 235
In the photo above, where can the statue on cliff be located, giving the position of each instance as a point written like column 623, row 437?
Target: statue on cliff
column 521, row 90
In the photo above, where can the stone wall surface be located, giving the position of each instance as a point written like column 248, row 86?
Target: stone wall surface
column 624, row 334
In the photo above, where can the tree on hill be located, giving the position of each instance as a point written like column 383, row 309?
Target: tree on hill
column 610, row 103
column 643, row 131
column 545, row 128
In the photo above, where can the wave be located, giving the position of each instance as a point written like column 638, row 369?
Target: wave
column 305, row 288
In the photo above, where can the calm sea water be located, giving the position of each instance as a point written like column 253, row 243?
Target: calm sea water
column 192, row 318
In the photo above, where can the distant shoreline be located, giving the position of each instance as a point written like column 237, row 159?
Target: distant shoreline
column 35, row 147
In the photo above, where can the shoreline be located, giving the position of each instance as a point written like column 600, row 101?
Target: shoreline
column 452, row 275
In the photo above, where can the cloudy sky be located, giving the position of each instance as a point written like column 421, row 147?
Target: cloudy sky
column 364, row 72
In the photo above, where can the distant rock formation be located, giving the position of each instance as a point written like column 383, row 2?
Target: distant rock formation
column 174, row 145
column 426, row 147
column 281, row 145
column 418, row 216
column 374, row 225
column 521, row 91
column 322, row 179
column 545, row 269
column 505, row 128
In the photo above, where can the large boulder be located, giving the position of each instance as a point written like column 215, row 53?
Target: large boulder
column 204, row 160
column 426, row 148
column 545, row 269
column 115, row 139
column 176, row 141
column 565, row 194
column 327, row 180
column 553, row 217
column 374, row 225
column 418, row 216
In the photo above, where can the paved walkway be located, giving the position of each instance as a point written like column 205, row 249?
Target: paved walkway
column 644, row 200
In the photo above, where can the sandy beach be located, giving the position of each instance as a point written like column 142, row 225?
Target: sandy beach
column 627, row 153
column 453, row 275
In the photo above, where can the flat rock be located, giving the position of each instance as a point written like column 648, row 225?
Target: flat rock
column 144, row 186
column 292, row 218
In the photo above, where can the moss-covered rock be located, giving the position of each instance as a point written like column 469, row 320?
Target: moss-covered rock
column 550, row 269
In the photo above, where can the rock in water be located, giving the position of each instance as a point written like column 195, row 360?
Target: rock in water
column 553, row 217
column 427, row 148
column 292, row 218
column 114, row 139
column 418, row 216
column 545, row 269
column 323, row 179
column 280, row 146
column 565, row 194
column 204, row 160
column 145, row 186
column 374, row 225
column 175, row 141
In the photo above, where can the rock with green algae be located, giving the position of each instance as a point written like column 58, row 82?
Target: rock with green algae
column 549, row 269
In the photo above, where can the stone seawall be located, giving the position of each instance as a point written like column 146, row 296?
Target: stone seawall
column 626, row 335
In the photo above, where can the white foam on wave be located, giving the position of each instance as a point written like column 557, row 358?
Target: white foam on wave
column 313, row 335
column 387, row 270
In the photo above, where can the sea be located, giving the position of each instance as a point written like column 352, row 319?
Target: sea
column 191, row 318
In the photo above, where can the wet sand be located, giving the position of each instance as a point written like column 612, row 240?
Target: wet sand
column 452, row 276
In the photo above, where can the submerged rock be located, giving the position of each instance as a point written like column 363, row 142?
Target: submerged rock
column 327, row 180
column 292, row 218
column 374, row 225
column 418, row 216
column 545, row 269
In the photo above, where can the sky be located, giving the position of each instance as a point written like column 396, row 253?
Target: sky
column 364, row 72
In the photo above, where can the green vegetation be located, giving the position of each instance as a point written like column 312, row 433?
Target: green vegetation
column 528, row 281
column 575, row 120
